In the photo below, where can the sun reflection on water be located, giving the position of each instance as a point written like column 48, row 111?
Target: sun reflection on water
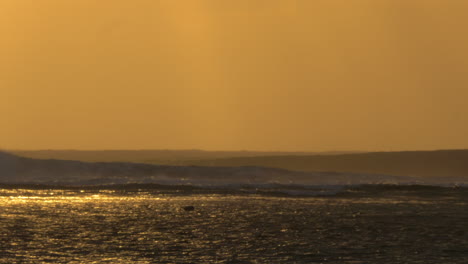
column 142, row 226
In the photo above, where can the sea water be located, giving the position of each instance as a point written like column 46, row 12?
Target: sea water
column 368, row 224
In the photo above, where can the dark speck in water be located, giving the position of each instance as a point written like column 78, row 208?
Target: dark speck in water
column 189, row 208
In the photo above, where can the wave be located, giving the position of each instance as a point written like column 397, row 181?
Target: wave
column 407, row 192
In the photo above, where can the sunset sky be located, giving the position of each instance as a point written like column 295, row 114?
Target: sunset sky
column 304, row 75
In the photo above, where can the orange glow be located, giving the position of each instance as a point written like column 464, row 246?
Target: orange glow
column 247, row 74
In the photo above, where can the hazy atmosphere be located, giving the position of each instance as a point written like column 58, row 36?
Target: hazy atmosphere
column 234, row 131
column 260, row 75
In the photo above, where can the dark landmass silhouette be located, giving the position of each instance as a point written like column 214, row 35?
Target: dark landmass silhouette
column 441, row 163
column 166, row 157
column 20, row 170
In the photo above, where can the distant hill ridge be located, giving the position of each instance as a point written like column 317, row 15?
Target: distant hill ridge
column 21, row 170
column 440, row 163
column 168, row 157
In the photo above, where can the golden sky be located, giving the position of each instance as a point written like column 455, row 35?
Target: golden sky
column 227, row 75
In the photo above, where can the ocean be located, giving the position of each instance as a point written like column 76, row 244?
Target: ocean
column 144, row 223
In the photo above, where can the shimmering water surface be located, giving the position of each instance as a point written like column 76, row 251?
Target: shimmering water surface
column 117, row 226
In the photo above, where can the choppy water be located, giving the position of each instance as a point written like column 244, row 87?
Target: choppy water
column 361, row 225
